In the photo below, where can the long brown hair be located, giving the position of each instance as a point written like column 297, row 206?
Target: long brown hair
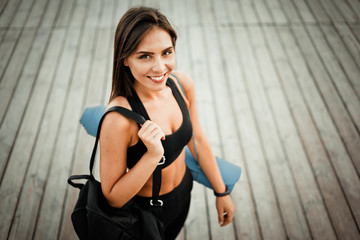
column 134, row 24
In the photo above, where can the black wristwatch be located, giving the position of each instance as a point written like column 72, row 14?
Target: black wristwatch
column 227, row 192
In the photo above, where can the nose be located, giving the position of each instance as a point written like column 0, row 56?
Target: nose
column 159, row 65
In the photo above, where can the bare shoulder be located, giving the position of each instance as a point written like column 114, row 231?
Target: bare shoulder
column 187, row 84
column 116, row 125
column 185, row 80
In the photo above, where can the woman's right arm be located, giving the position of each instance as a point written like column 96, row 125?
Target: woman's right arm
column 119, row 186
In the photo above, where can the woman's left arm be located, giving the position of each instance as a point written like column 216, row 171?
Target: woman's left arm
column 224, row 204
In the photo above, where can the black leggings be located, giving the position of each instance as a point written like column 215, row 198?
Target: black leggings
column 175, row 208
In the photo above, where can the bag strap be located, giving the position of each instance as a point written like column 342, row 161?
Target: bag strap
column 77, row 177
column 123, row 111
column 182, row 89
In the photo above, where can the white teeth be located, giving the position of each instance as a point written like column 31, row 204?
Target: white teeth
column 157, row 78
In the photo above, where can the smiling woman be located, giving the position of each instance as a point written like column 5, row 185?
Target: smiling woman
column 145, row 163
column 153, row 59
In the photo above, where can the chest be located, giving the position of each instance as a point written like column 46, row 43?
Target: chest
column 166, row 113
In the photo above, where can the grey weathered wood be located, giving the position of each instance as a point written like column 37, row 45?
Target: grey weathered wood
column 290, row 207
column 30, row 195
column 344, row 167
column 290, row 11
column 13, row 70
column 277, row 15
column 259, row 179
column 22, row 13
column 331, row 11
column 245, row 218
column 350, row 42
column 355, row 6
column 9, row 13
column 332, row 193
column 314, row 209
column 198, row 214
column 346, row 10
column 346, row 62
column 262, row 12
column 304, row 11
column 318, row 11
column 68, row 131
column 7, row 47
column 345, row 89
column 37, row 12
column 93, row 96
column 248, row 11
column 64, row 15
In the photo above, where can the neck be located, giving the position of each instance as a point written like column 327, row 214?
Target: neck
column 147, row 94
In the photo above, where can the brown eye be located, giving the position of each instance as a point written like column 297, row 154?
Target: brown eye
column 144, row 57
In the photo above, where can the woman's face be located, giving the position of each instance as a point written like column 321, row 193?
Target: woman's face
column 153, row 60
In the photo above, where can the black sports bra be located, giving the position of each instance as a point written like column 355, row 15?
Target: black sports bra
column 173, row 143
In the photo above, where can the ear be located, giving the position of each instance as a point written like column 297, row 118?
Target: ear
column 126, row 64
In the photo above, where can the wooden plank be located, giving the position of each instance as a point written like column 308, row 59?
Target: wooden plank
column 290, row 207
column 346, row 62
column 336, row 204
column 262, row 12
column 332, row 11
column 107, row 14
column 346, row 11
column 332, row 99
column 245, row 218
column 220, row 13
column 319, row 12
column 22, row 14
column 210, row 125
column 7, row 48
column 9, row 13
column 7, row 86
column 344, row 167
column 356, row 30
column 197, row 225
column 248, row 11
column 30, row 195
column 290, row 11
column 355, row 6
column 264, row 199
column 305, row 12
column 345, row 90
column 15, row 64
column 311, row 198
column 36, row 15
column 3, row 4
column 92, row 97
column 65, row 13
column 48, row 226
column 235, row 12
column 350, row 41
column 9, row 129
column 276, row 12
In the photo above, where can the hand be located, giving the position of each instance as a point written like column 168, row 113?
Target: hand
column 225, row 208
column 151, row 135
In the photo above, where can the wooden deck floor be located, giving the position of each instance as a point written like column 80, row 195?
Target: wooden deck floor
column 278, row 92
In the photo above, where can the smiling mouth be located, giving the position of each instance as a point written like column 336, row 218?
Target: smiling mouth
column 158, row 79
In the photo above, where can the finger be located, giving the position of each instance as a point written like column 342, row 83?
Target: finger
column 228, row 218
column 221, row 218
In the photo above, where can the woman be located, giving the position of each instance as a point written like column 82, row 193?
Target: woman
column 144, row 59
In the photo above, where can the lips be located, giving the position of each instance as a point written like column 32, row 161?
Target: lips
column 157, row 79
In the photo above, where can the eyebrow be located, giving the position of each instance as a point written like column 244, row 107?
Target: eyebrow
column 144, row 52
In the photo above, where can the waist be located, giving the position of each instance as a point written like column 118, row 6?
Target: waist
column 184, row 185
column 171, row 177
